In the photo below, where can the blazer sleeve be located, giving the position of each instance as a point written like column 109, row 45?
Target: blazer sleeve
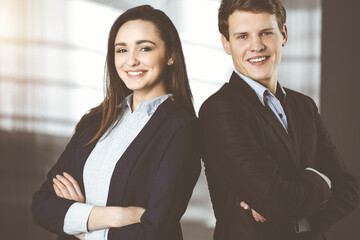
column 171, row 190
column 48, row 209
column 345, row 188
column 234, row 155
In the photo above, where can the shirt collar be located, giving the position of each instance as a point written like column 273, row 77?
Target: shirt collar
column 259, row 89
column 148, row 106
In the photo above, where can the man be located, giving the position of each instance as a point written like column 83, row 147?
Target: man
column 272, row 170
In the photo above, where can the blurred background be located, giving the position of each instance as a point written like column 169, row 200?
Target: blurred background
column 52, row 57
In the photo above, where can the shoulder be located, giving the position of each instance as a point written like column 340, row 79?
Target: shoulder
column 91, row 120
column 300, row 100
column 173, row 114
column 216, row 102
column 228, row 99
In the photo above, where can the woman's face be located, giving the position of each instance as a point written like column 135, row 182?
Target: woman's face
column 140, row 58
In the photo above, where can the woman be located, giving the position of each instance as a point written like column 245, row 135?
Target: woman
column 129, row 170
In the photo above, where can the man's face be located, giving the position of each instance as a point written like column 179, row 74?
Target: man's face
column 255, row 43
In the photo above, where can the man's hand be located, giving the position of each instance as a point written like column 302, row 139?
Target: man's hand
column 67, row 187
column 256, row 216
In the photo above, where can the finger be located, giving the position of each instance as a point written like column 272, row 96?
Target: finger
column 255, row 215
column 68, row 185
column 261, row 218
column 80, row 236
column 244, row 205
column 258, row 217
column 74, row 183
column 57, row 191
column 62, row 188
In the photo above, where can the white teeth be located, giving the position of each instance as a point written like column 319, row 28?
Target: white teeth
column 257, row 59
column 134, row 73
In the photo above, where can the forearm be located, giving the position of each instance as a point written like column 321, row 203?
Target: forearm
column 49, row 210
column 111, row 217
column 345, row 200
column 102, row 217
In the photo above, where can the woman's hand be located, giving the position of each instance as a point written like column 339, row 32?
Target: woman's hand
column 129, row 215
column 67, row 187
column 256, row 216
column 80, row 236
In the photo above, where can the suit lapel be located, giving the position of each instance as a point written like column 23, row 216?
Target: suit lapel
column 269, row 116
column 291, row 114
column 128, row 159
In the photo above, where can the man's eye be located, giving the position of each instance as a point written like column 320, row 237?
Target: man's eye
column 266, row 33
column 241, row 37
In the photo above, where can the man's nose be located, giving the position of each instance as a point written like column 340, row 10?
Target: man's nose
column 257, row 44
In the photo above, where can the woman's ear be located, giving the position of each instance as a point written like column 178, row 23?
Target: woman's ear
column 170, row 62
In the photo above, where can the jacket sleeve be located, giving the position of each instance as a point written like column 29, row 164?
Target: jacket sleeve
column 48, row 209
column 345, row 189
column 171, row 190
column 232, row 152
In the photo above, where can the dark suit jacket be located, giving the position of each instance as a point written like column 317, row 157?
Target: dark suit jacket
column 250, row 157
column 158, row 172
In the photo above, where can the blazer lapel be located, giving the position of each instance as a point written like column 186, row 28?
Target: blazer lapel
column 291, row 115
column 269, row 116
column 128, row 159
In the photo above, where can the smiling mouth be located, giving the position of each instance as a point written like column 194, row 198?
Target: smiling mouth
column 135, row 73
column 256, row 60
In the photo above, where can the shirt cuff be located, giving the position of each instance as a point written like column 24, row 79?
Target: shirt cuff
column 321, row 175
column 302, row 225
column 76, row 218
column 97, row 235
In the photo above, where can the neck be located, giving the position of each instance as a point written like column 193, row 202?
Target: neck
column 270, row 84
column 139, row 97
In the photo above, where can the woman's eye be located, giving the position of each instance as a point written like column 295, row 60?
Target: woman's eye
column 121, row 50
column 145, row 49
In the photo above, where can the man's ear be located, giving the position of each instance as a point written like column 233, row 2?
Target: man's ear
column 285, row 35
column 226, row 44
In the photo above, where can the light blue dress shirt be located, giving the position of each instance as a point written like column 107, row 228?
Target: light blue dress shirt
column 267, row 98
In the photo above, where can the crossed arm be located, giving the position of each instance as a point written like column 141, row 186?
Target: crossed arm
column 170, row 192
column 244, row 163
column 65, row 186
column 251, row 172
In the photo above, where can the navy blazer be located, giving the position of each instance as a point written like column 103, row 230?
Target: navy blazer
column 158, row 172
column 250, row 157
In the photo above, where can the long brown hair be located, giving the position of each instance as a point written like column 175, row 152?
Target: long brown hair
column 176, row 80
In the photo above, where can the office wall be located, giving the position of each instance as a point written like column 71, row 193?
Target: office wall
column 340, row 85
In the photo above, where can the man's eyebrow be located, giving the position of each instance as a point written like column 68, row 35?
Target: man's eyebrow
column 263, row 30
column 137, row 43
column 239, row 33
column 267, row 29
